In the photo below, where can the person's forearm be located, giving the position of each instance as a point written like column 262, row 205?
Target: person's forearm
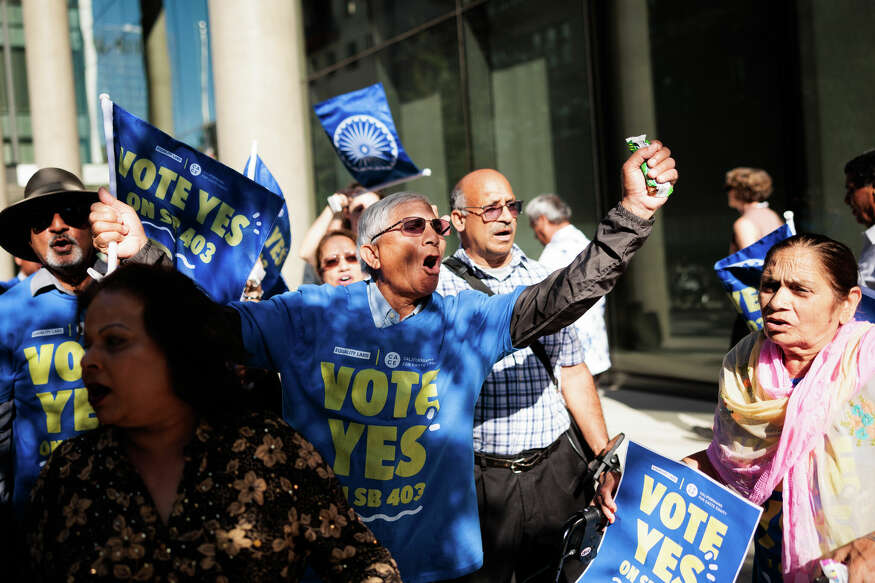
column 582, row 400
column 314, row 234
column 556, row 302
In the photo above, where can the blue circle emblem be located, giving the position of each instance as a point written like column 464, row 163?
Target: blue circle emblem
column 365, row 144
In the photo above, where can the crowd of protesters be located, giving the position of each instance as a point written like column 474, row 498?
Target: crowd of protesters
column 448, row 396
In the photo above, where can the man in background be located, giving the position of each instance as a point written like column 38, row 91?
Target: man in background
column 860, row 196
column 550, row 219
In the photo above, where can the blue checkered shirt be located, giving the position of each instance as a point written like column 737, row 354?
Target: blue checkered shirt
column 519, row 407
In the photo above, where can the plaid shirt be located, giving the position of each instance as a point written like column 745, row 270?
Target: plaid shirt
column 519, row 407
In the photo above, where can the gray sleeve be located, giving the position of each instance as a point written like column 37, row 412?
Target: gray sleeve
column 556, row 302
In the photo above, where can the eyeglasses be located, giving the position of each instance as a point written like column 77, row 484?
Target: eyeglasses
column 334, row 260
column 75, row 216
column 492, row 212
column 415, row 226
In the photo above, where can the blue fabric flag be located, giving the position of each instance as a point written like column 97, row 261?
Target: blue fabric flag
column 278, row 243
column 866, row 309
column 740, row 274
column 210, row 219
column 360, row 127
column 673, row 524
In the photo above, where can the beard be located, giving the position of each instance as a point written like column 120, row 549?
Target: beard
column 71, row 261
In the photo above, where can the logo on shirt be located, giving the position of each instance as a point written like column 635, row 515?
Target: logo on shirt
column 352, row 353
column 393, row 359
column 47, row 332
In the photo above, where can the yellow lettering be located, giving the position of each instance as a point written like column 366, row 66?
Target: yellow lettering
column 223, row 216
column 206, row 204
column 690, row 567
column 335, row 387
column 650, row 496
column 712, row 540
column 278, row 253
column 751, row 299
column 373, row 498
column 144, row 173
column 68, row 360
column 166, row 217
column 364, row 379
column 39, row 364
column 429, row 389
column 167, row 176
column 344, row 442
column 672, row 511
column 646, row 541
column 180, row 193
column 275, row 236
column 125, row 159
column 667, row 559
column 414, row 451
column 360, row 496
column 697, row 517
column 379, row 451
column 53, row 406
column 147, row 208
column 235, row 231
column 84, row 418
column 403, row 381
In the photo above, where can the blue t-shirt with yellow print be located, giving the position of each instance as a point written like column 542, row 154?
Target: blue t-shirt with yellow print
column 40, row 373
column 390, row 409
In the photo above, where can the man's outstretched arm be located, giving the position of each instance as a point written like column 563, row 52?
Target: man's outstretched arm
column 559, row 300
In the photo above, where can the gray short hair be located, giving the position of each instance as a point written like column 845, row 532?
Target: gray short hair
column 375, row 218
column 550, row 206
column 457, row 198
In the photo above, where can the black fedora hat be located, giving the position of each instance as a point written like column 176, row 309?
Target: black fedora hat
column 48, row 187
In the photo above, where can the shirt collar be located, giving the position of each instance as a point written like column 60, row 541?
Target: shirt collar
column 517, row 259
column 869, row 235
column 43, row 281
column 383, row 314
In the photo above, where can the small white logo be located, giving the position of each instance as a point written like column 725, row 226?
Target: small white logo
column 392, row 359
column 362, row 354
column 195, row 169
column 692, row 491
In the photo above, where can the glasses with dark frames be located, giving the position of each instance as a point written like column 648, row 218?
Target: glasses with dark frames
column 492, row 212
column 415, row 226
column 334, row 260
column 74, row 216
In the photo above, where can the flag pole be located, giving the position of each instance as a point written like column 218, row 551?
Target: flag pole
column 253, row 154
column 106, row 107
column 788, row 218
column 424, row 172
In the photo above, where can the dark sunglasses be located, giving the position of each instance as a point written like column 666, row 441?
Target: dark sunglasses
column 334, row 260
column 492, row 212
column 75, row 216
column 415, row 226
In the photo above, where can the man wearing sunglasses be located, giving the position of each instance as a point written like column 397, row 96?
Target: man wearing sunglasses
column 382, row 375
column 525, row 459
column 42, row 399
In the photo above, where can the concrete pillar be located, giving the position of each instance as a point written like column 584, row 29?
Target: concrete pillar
column 630, row 47
column 7, row 269
column 260, row 79
column 50, row 84
column 157, row 60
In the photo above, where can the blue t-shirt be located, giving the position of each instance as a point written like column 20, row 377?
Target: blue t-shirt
column 390, row 409
column 40, row 372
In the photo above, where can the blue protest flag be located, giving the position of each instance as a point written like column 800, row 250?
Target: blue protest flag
column 211, row 220
column 278, row 243
column 866, row 309
column 740, row 274
column 673, row 523
column 360, row 127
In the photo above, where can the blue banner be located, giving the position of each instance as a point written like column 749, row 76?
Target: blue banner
column 210, row 219
column 674, row 524
column 740, row 274
column 360, row 127
column 866, row 309
column 277, row 246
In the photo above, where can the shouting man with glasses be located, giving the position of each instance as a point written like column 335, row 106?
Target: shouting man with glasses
column 42, row 399
column 382, row 375
column 527, row 455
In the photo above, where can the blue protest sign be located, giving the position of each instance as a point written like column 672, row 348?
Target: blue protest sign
column 866, row 309
column 278, row 243
column 360, row 127
column 674, row 525
column 740, row 274
column 210, row 219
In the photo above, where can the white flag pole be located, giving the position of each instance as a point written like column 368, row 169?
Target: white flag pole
column 424, row 172
column 112, row 251
column 788, row 218
column 250, row 172
column 256, row 275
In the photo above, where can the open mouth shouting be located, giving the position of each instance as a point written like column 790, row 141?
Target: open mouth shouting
column 62, row 245
column 432, row 264
column 96, row 393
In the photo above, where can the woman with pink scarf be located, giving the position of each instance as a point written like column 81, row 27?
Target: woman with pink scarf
column 794, row 429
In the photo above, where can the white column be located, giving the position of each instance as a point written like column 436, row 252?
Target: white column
column 50, row 84
column 260, row 83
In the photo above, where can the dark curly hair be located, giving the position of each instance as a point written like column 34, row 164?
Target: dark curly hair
column 195, row 334
column 861, row 170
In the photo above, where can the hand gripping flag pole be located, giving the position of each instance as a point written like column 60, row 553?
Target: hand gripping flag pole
column 112, row 251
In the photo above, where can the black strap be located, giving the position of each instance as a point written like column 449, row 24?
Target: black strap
column 459, row 267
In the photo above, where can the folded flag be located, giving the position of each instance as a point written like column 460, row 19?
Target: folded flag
column 278, row 243
column 211, row 220
column 360, row 127
column 740, row 274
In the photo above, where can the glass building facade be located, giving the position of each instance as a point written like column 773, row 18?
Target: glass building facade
column 546, row 92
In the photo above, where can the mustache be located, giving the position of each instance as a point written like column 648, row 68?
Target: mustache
column 63, row 238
